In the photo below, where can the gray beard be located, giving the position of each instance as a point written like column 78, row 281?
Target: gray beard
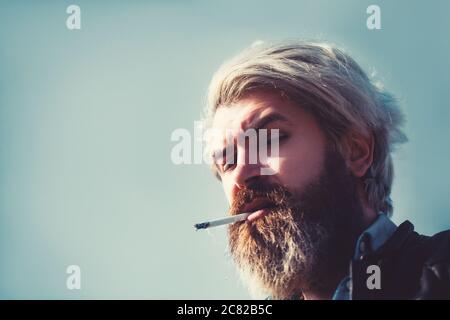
column 306, row 242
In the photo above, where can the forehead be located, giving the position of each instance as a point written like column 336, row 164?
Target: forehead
column 242, row 114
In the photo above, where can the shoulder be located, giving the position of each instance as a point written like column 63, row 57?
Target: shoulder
column 420, row 265
column 438, row 247
column 428, row 249
column 435, row 277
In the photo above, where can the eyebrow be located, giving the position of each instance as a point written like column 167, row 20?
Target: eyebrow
column 259, row 124
column 266, row 120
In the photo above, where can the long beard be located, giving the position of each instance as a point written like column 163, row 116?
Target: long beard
column 305, row 243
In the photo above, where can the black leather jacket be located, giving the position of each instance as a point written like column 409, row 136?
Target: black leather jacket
column 412, row 266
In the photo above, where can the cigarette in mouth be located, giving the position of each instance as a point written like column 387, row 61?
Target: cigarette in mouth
column 221, row 221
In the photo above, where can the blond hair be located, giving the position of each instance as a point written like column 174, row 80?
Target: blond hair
column 332, row 86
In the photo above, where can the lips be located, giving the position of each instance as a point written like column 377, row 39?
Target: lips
column 258, row 208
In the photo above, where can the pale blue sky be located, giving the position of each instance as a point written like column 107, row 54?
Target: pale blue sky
column 86, row 118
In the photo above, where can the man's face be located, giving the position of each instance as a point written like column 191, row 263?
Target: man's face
column 302, row 144
column 305, row 216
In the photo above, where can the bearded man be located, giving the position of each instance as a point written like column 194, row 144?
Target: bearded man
column 319, row 224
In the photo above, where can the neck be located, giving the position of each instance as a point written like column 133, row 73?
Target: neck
column 368, row 213
column 368, row 217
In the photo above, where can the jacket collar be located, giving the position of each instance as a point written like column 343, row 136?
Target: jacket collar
column 375, row 236
column 397, row 240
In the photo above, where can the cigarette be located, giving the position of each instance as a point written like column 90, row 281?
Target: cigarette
column 221, row 221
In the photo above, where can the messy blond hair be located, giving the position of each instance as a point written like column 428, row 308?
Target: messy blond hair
column 332, row 86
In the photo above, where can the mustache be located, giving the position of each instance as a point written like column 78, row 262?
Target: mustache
column 276, row 194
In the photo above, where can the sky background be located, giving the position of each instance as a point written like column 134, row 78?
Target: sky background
column 86, row 117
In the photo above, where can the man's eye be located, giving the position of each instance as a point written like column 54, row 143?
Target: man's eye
column 281, row 136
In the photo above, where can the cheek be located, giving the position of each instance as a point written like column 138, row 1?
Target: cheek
column 297, row 169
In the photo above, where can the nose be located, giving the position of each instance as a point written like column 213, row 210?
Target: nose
column 247, row 171
column 245, row 175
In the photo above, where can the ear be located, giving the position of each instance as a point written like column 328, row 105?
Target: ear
column 358, row 152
